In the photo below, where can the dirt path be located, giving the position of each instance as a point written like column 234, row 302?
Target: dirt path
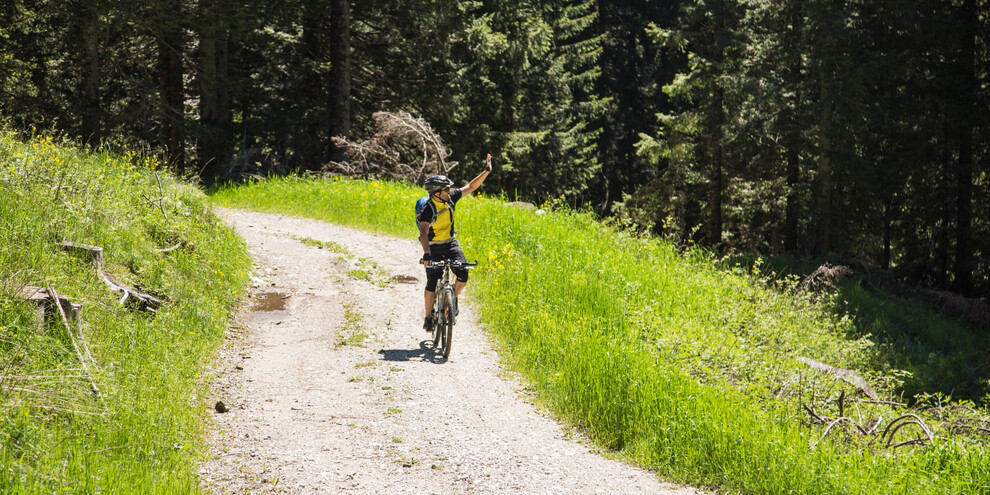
column 339, row 392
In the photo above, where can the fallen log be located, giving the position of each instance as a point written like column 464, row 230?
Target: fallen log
column 144, row 301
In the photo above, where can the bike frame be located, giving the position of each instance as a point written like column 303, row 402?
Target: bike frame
column 443, row 321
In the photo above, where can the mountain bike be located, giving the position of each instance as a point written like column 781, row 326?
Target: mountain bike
column 445, row 304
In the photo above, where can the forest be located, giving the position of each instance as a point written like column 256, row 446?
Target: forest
column 849, row 130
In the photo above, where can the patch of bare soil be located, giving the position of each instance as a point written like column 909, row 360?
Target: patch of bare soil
column 330, row 385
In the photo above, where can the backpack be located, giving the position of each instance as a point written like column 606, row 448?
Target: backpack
column 419, row 207
column 420, row 204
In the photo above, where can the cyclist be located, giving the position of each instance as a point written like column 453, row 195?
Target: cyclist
column 436, row 233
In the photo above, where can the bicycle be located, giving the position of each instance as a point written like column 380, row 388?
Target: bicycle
column 444, row 305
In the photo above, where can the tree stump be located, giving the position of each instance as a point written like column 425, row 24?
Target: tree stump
column 46, row 306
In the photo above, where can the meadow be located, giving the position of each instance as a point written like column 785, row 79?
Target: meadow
column 666, row 356
column 142, row 432
column 676, row 360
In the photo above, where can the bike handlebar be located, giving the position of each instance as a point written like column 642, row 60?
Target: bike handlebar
column 450, row 263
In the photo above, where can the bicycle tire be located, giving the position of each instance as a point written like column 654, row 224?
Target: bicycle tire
column 436, row 324
column 447, row 322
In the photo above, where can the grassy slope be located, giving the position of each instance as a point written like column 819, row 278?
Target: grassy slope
column 685, row 368
column 142, row 436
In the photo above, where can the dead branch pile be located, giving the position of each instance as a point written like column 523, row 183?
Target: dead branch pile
column 973, row 310
column 403, row 147
column 887, row 437
column 83, row 357
column 825, row 278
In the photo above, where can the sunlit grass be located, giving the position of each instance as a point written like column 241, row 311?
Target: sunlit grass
column 142, row 434
column 686, row 368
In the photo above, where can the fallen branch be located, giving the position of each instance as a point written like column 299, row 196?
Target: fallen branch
column 72, row 336
column 818, row 418
column 145, row 301
column 169, row 249
column 833, row 423
column 848, row 376
column 908, row 419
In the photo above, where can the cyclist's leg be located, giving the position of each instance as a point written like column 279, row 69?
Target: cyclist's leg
column 429, row 295
column 457, row 254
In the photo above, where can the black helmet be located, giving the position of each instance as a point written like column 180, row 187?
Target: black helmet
column 437, row 182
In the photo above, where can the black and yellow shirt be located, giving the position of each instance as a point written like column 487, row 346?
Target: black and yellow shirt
column 440, row 216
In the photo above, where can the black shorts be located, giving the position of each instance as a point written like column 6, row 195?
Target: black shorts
column 448, row 251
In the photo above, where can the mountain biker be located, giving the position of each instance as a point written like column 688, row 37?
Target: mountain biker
column 436, row 233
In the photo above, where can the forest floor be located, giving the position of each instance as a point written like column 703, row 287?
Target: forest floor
column 330, row 385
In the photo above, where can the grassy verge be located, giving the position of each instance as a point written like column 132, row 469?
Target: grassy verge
column 685, row 368
column 142, row 434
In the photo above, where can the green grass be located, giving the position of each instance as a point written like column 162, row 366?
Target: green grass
column 681, row 366
column 938, row 354
column 143, row 435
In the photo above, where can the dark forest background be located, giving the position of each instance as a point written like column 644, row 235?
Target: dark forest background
column 850, row 129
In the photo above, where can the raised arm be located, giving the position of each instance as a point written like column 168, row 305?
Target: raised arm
column 480, row 179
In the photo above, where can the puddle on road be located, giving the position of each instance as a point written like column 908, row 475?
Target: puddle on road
column 269, row 301
column 405, row 279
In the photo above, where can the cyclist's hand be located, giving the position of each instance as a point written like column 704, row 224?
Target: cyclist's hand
column 488, row 163
column 427, row 259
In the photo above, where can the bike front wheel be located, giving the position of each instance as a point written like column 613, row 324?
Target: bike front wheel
column 446, row 328
column 436, row 325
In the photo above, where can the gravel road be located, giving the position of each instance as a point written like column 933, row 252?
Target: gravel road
column 330, row 384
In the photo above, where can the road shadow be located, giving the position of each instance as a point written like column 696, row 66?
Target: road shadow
column 426, row 353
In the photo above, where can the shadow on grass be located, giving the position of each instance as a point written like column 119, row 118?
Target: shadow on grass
column 944, row 355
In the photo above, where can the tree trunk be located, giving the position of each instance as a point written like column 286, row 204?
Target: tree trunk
column 716, row 211
column 91, row 114
column 170, row 86
column 793, row 141
column 824, row 212
column 964, row 176
column 214, row 102
column 791, row 210
column 312, row 146
column 887, row 212
column 943, row 212
column 340, row 73
column 716, row 122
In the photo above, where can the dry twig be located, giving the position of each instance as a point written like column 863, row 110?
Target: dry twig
column 72, row 336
